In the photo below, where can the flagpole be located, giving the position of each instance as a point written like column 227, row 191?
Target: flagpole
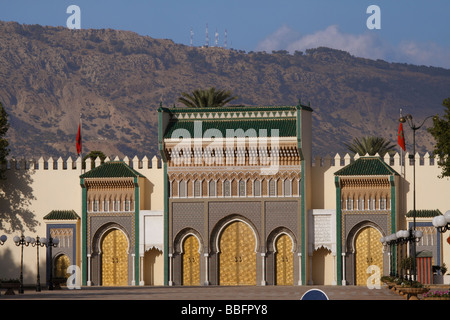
column 402, row 155
column 402, row 171
column 81, row 141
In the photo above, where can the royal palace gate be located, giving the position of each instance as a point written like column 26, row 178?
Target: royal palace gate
column 235, row 205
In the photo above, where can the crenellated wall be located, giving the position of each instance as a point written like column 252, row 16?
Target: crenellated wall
column 33, row 188
column 431, row 191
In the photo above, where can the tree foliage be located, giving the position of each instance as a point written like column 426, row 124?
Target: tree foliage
column 93, row 155
column 441, row 133
column 371, row 145
column 210, row 98
column 4, row 150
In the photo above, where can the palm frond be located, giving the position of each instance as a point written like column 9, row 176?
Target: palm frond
column 370, row 145
column 210, row 98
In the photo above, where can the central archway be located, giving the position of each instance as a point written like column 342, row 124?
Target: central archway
column 237, row 259
column 369, row 252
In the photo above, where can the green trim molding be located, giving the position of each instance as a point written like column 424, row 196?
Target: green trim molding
column 166, row 226
column 136, row 230
column 83, row 232
column 338, row 231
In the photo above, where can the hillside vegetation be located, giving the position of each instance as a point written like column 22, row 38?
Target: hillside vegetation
column 117, row 79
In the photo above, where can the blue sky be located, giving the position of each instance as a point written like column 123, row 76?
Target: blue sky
column 411, row 31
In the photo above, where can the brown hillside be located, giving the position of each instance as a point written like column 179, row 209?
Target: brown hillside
column 117, row 79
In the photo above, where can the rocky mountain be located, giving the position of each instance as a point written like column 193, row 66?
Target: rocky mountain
column 116, row 80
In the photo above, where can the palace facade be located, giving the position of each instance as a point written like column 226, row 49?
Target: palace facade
column 234, row 198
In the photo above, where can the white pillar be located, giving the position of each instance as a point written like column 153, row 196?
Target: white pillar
column 299, row 269
column 133, row 264
column 310, row 281
column 335, row 270
column 141, row 269
column 206, row 269
column 263, row 257
column 344, row 282
column 170, row 270
column 89, row 283
column 389, row 255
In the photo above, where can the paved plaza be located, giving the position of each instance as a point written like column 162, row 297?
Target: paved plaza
column 205, row 293
column 180, row 302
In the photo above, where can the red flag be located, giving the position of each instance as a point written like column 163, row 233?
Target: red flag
column 401, row 137
column 79, row 139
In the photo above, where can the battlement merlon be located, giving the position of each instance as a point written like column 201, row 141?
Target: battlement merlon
column 70, row 164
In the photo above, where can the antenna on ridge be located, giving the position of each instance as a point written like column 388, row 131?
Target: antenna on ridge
column 192, row 37
column 207, row 37
column 217, row 38
column 225, row 40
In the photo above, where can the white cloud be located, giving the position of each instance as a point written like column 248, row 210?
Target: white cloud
column 280, row 39
column 367, row 45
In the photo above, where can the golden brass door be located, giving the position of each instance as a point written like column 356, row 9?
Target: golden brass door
column 284, row 261
column 237, row 255
column 114, row 259
column 369, row 251
column 61, row 265
column 191, row 261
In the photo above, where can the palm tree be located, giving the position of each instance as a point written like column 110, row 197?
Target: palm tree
column 371, row 145
column 209, row 98
column 93, row 156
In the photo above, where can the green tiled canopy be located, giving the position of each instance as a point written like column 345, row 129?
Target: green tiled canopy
column 61, row 215
column 246, row 118
column 112, row 169
column 286, row 127
column 424, row 213
column 367, row 166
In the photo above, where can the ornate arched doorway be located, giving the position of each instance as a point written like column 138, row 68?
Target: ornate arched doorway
column 237, row 259
column 368, row 252
column 191, row 261
column 114, row 247
column 62, row 262
column 284, row 262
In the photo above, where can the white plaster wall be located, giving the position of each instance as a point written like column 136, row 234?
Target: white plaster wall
column 55, row 185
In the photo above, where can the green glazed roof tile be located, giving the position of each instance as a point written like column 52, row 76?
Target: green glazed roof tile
column 236, row 108
column 62, row 215
column 286, row 127
column 112, row 169
column 424, row 213
column 367, row 166
column 424, row 254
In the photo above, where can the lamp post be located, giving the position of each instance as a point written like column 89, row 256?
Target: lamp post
column 39, row 242
column 442, row 222
column 3, row 239
column 389, row 241
column 50, row 244
column 21, row 241
column 402, row 237
column 409, row 119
